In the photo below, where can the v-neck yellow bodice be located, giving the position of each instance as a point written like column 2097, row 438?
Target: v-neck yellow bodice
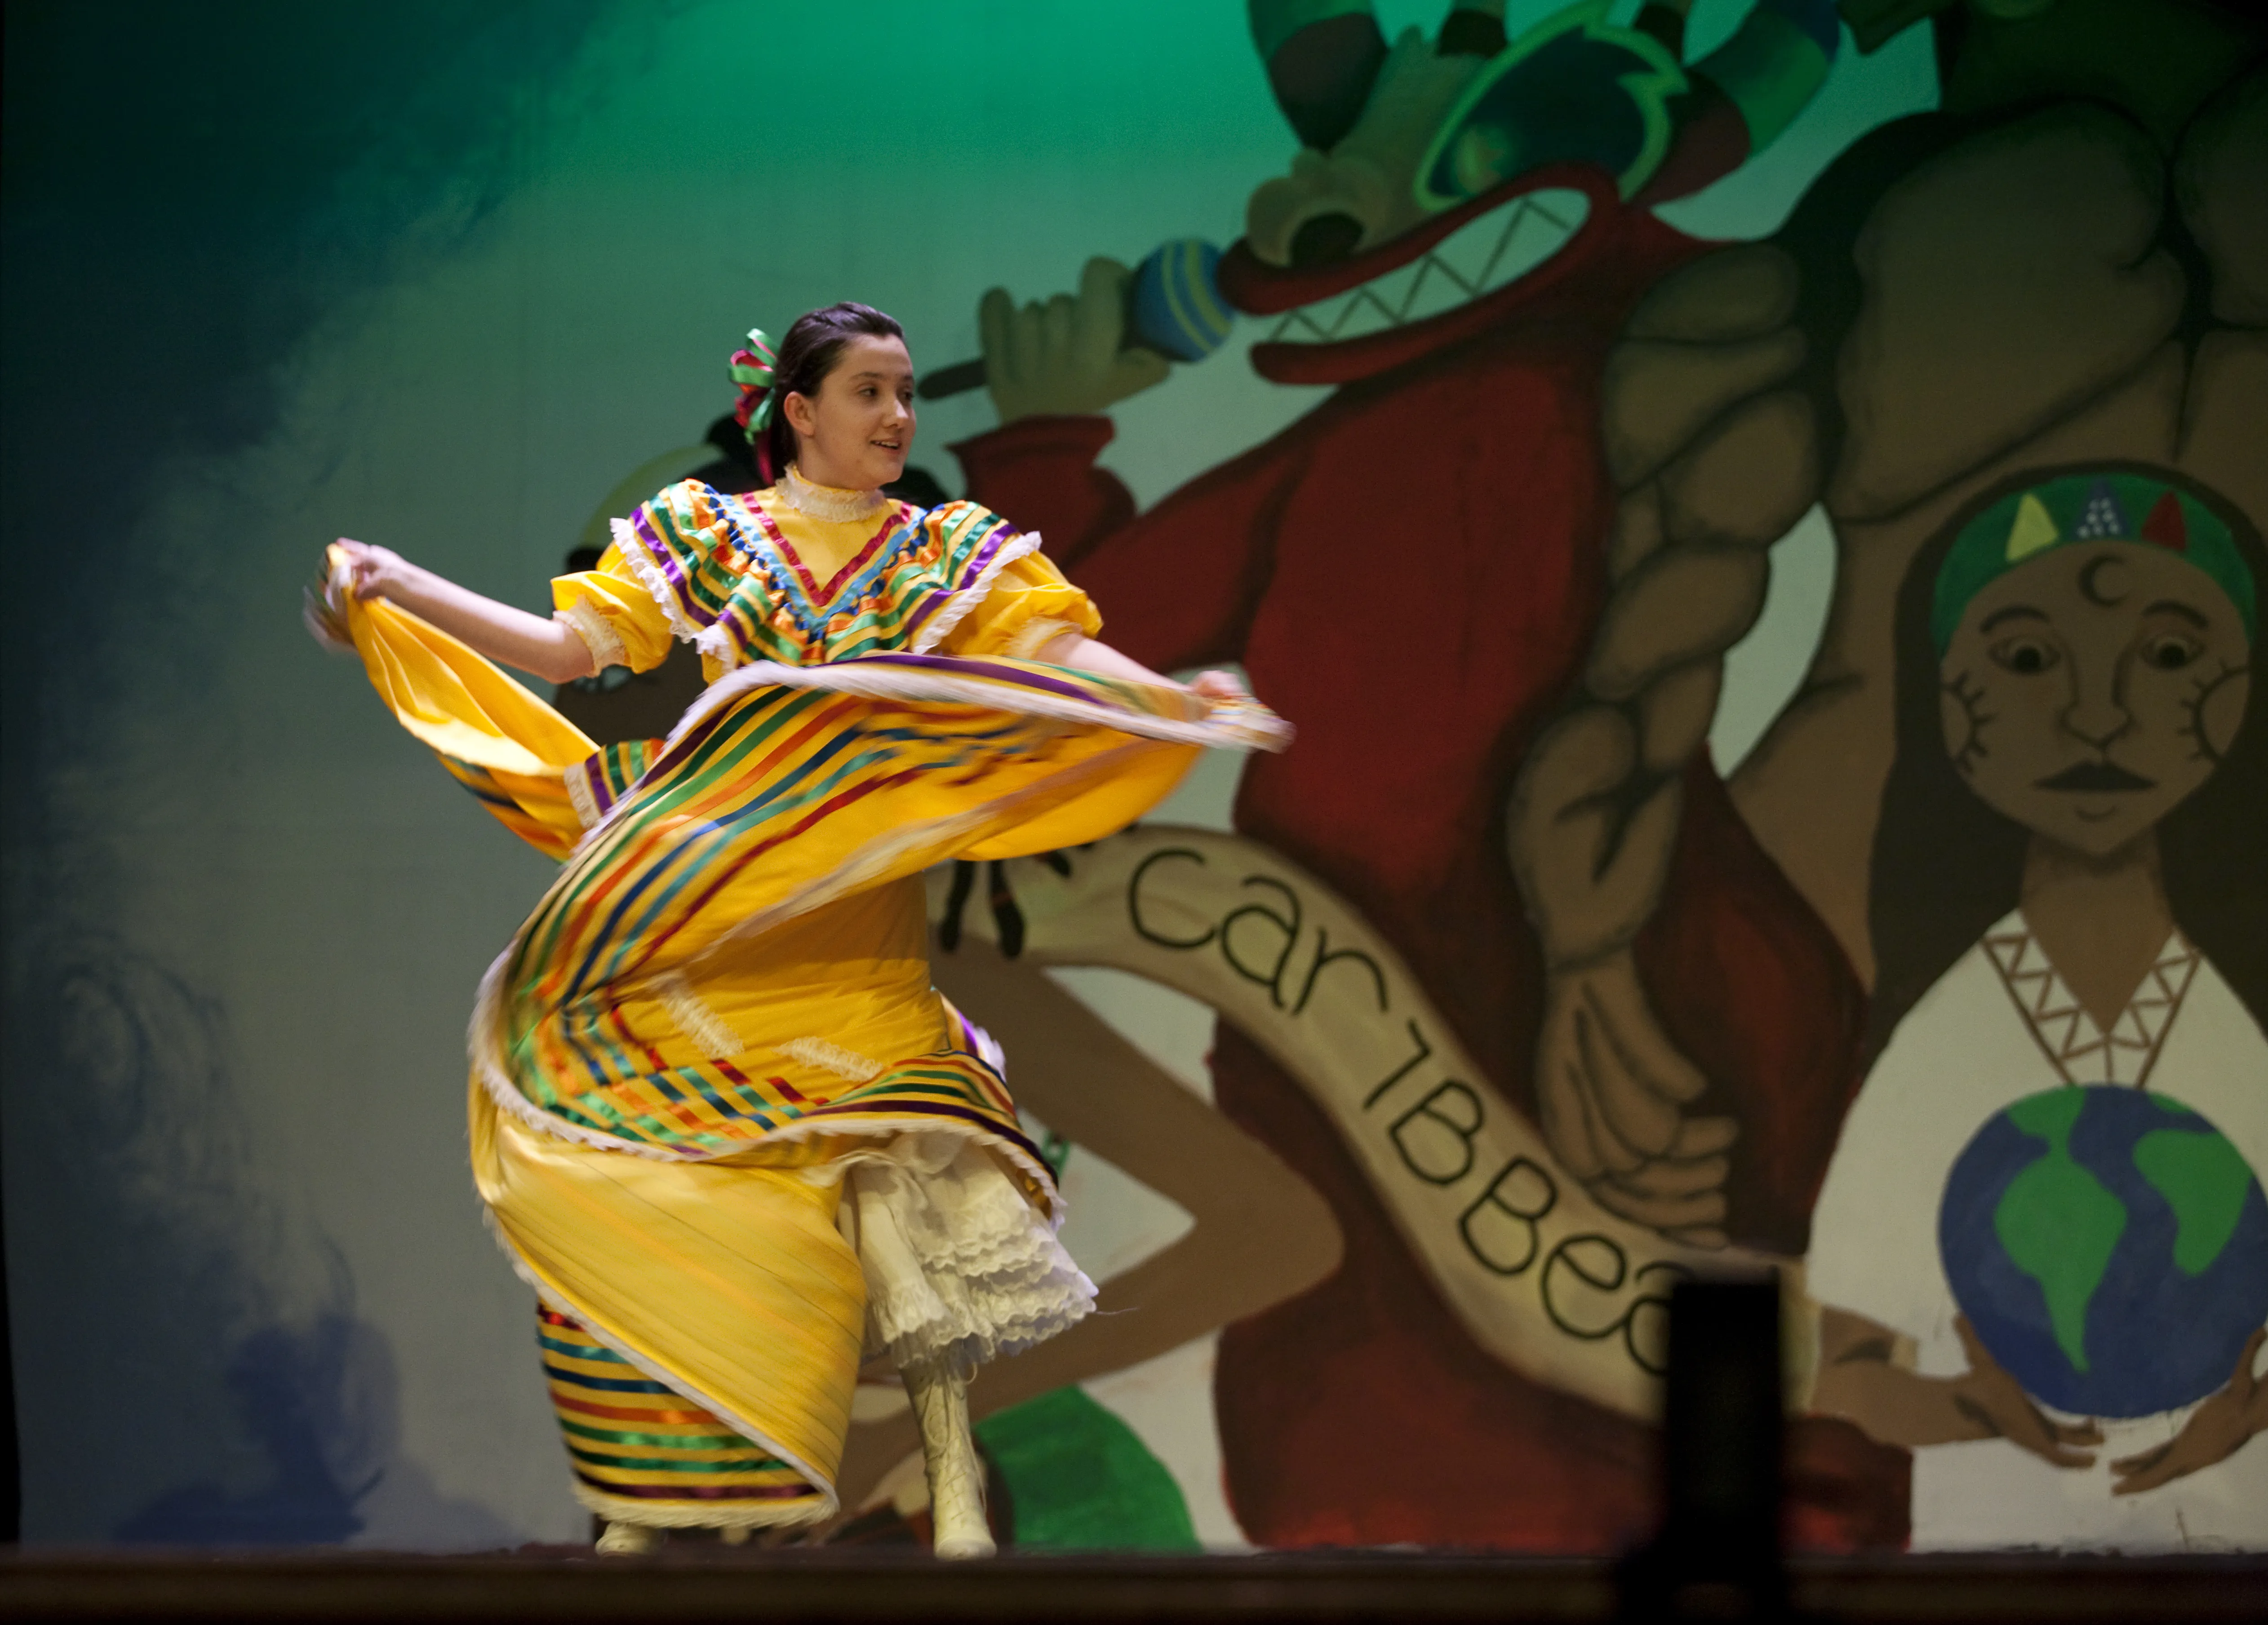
column 754, row 576
column 824, row 548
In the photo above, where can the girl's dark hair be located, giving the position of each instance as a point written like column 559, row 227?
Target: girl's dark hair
column 1946, row 866
column 804, row 357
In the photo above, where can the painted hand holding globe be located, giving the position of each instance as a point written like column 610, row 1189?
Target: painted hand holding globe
column 2078, row 1226
column 2214, row 1432
column 1997, row 1404
column 1992, row 1404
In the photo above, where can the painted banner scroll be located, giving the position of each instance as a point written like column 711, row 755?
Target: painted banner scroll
column 1546, row 1279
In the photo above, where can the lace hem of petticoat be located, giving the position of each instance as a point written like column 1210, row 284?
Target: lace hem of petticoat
column 960, row 1268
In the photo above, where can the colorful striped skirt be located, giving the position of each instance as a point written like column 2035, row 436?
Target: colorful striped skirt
column 637, row 1443
column 718, row 1020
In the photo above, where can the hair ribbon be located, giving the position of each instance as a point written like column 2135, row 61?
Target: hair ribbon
column 752, row 369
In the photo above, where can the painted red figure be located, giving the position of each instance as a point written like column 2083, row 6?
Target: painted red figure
column 1412, row 573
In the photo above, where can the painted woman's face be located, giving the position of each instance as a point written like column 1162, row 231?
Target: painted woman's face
column 2091, row 690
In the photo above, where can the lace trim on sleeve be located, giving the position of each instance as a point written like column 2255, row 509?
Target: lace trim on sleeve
column 632, row 549
column 1036, row 633
column 598, row 635
column 970, row 596
column 718, row 643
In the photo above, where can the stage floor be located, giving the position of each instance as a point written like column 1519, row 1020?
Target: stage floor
column 567, row 1586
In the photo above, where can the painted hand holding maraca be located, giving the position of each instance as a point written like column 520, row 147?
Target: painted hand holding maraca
column 1068, row 355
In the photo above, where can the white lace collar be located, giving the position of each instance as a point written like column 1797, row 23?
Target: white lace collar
column 826, row 502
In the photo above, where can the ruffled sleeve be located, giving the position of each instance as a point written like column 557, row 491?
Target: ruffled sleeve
column 614, row 615
column 670, row 568
column 1028, row 604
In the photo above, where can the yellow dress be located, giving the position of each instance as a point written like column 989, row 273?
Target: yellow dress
column 719, row 1017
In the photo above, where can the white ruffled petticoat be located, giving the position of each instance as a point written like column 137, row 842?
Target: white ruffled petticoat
column 960, row 1269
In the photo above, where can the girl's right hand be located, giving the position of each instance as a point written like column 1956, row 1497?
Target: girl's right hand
column 373, row 572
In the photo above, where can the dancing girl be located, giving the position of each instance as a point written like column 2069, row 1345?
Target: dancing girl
column 721, row 1121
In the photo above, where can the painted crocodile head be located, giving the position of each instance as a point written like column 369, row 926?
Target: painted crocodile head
column 1443, row 182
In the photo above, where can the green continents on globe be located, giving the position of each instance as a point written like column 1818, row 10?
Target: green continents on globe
column 2203, row 1179
column 2056, row 1222
column 2109, row 1246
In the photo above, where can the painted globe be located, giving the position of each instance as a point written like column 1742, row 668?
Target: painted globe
column 2109, row 1248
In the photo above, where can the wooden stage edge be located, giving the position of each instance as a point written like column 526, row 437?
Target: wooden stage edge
column 567, row 1585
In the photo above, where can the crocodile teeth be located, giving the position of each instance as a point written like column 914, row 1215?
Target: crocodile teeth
column 1471, row 262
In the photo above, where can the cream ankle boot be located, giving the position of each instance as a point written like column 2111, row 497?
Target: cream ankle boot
column 956, row 1479
column 627, row 1540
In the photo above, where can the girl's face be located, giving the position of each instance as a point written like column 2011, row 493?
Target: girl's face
column 856, row 433
column 2088, row 692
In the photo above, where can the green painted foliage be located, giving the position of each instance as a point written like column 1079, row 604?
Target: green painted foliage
column 1078, row 1479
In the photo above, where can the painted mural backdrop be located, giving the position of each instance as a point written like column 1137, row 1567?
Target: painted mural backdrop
column 1754, row 508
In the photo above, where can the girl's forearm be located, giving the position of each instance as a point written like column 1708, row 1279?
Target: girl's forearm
column 543, row 648
column 1077, row 649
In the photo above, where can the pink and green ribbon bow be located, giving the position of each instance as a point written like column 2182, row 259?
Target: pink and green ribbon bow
column 752, row 369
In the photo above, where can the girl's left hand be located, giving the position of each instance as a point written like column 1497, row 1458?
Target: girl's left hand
column 1221, row 685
